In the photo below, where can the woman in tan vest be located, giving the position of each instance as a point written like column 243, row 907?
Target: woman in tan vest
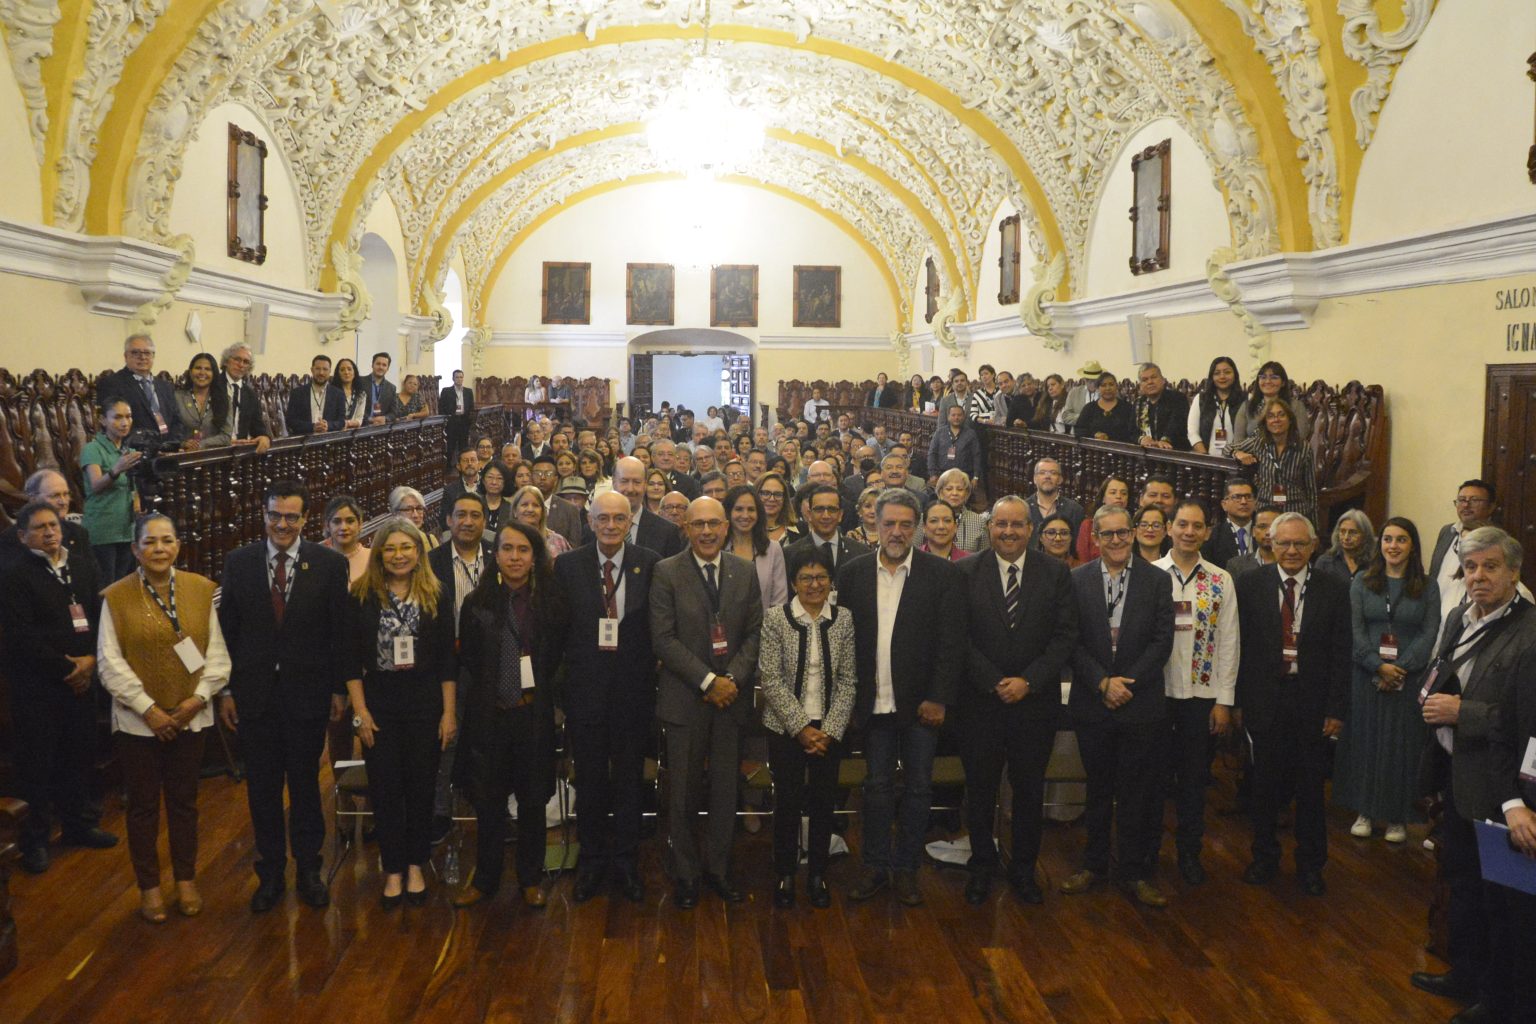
column 162, row 658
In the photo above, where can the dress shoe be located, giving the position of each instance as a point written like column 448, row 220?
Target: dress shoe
column 441, row 826
column 268, row 892
column 533, row 895
column 873, row 880
column 1190, row 869
column 388, row 902
column 978, row 886
column 1477, row 1013
column 1145, row 893
column 1027, row 890
column 784, row 892
column 188, row 900
column 35, row 860
column 312, row 889
column 817, row 892
column 152, row 906
column 1081, row 882
column 1312, row 883
column 685, row 894
column 631, row 887
column 469, row 896
column 1260, row 872
column 588, row 884
column 724, row 889
column 905, row 884
column 1445, row 985
column 417, row 898
column 90, row 838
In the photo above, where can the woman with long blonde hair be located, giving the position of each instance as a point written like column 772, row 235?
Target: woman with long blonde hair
column 528, row 508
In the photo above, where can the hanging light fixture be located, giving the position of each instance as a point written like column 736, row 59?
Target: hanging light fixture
column 699, row 129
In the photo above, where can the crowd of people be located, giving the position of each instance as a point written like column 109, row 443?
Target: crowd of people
column 820, row 577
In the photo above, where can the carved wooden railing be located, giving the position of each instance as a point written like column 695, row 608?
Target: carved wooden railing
column 591, row 398
column 11, row 813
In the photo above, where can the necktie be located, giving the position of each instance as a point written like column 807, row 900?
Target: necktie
column 831, row 550
column 148, row 386
column 509, row 681
column 610, row 590
column 1242, row 540
column 280, row 587
column 1011, row 596
column 711, row 586
column 235, row 411
column 1288, row 609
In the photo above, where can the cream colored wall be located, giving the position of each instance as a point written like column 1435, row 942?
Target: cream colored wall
column 200, row 207
column 1198, row 222
column 1451, row 142
column 21, row 195
column 987, row 306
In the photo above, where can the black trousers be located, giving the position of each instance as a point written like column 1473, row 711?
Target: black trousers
column 609, row 761
column 514, row 756
column 803, row 784
column 1190, row 757
column 1511, row 983
column 284, row 752
column 1467, row 919
column 1124, row 765
column 1290, row 757
column 402, row 780
column 55, row 732
column 994, row 734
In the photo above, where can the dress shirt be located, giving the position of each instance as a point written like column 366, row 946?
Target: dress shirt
column 1203, row 662
column 458, row 400
column 290, row 566
column 813, row 686
column 55, row 565
column 833, row 547
column 699, row 564
column 1002, row 572
column 239, row 394
column 466, row 577
column 1472, row 623
column 888, row 587
column 618, row 576
column 1119, row 586
column 317, row 403
column 1301, row 591
column 146, row 384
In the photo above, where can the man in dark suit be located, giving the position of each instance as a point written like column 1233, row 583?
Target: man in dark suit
column 467, row 482
column 457, row 402
column 315, row 408
column 379, row 393
column 663, row 454
column 645, row 528
column 824, row 513
column 1125, row 631
column 1474, row 507
column 610, row 694
column 1021, row 621
column 909, row 643
column 248, row 425
column 560, row 515
column 283, row 609
column 1233, row 536
column 706, row 613
column 1474, row 757
column 1293, row 694
column 50, row 487
column 882, row 395
column 153, row 401
column 1162, row 414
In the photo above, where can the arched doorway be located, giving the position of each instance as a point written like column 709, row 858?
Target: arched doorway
column 381, row 331
column 693, row 368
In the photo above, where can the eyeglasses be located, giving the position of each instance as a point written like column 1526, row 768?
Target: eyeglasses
column 1270, row 376
column 1150, row 525
column 289, row 518
column 1462, row 500
column 819, row 579
column 1289, row 545
column 822, row 510
column 1121, row 534
column 1057, row 534
column 706, row 524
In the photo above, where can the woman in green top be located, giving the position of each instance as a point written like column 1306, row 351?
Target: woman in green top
column 110, row 500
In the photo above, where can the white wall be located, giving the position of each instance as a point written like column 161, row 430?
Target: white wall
column 380, row 332
column 987, row 306
column 1451, row 142
column 692, row 381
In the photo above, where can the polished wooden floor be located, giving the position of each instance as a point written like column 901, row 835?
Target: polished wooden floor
column 1223, row 952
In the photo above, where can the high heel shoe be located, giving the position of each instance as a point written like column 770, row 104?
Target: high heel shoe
column 391, row 902
column 417, row 898
column 188, row 900
column 152, row 906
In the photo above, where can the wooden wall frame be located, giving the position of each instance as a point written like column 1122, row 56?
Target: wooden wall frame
column 818, row 297
column 649, row 294
column 733, row 295
column 245, row 229
column 930, row 290
column 567, row 293
column 1151, row 188
column 1008, row 261
column 1530, row 160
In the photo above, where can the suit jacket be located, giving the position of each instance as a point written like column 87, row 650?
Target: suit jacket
column 1039, row 648
column 453, row 490
column 927, row 642
column 847, row 550
column 658, row 535
column 1516, row 727
column 294, row 669
column 251, row 421
column 600, row 684
column 445, row 404
column 122, row 385
column 440, row 559
column 300, row 415
column 883, row 398
column 386, row 398
column 1221, row 547
column 76, row 538
column 683, row 484
column 681, row 618
column 565, row 519
column 1146, row 639
column 1448, row 534
column 1323, row 651
column 1169, row 418
column 39, row 633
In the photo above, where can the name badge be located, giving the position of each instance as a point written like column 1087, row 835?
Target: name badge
column 1114, row 640
column 1528, row 761
column 607, row 634
column 525, row 671
column 1387, row 649
column 161, row 425
column 717, row 645
column 1429, row 682
column 1183, row 616
column 77, row 617
column 1288, row 648
column 405, row 652
column 952, row 450
column 1221, row 435
column 191, row 658
column 1279, row 496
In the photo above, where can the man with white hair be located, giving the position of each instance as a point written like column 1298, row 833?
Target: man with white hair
column 247, row 424
column 152, row 401
column 49, row 486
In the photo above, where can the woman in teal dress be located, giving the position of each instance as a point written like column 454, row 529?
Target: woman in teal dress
column 1396, row 610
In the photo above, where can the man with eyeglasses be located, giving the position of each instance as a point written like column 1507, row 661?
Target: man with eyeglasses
column 283, row 611
column 674, row 508
column 824, row 513
column 1474, row 508
column 247, row 423
column 153, row 402
column 1049, row 501
column 1234, row 535
column 560, row 515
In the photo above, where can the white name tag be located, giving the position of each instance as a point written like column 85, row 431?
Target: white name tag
column 1183, row 616
column 191, row 658
column 77, row 618
column 1279, row 496
column 525, row 670
column 1528, row 762
column 607, row 634
column 1387, row 649
column 405, row 652
column 161, row 425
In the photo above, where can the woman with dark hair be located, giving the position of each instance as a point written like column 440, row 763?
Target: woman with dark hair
column 352, row 397
column 1113, row 491
column 1271, row 382
column 1056, row 539
column 1213, row 419
column 202, row 408
column 940, row 524
column 655, row 490
column 778, row 512
column 749, row 539
column 1396, row 612
column 1108, row 419
column 590, row 467
column 509, row 631
column 493, row 488
column 111, row 501
column 344, row 534
column 743, row 446
column 935, row 395
column 916, row 394
column 1151, row 526
column 1284, row 473
column 1049, row 406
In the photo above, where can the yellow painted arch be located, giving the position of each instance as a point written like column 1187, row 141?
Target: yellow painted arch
column 887, row 274
column 59, row 71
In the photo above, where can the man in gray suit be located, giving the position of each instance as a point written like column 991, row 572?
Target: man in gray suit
column 380, row 392
column 706, row 612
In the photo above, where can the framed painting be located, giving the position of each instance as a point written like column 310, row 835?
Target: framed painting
column 733, row 295
column 1008, row 261
column 930, row 290
column 818, row 297
column 648, row 294
column 247, row 197
column 1152, row 182
column 567, row 293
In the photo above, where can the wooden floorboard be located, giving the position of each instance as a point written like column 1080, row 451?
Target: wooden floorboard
column 1221, row 952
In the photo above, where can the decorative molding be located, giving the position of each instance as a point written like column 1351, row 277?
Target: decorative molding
column 557, row 339
column 357, row 304
column 148, row 314
column 1380, row 53
column 902, row 346
column 1224, row 289
column 944, row 325
column 1032, row 312
column 821, row 343
column 116, row 276
column 209, row 287
column 29, row 37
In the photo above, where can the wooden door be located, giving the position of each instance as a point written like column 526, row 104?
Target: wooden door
column 1509, row 453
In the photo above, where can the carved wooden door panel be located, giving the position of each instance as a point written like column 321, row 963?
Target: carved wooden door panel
column 1509, row 453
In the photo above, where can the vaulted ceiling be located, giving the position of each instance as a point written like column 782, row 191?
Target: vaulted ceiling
column 905, row 122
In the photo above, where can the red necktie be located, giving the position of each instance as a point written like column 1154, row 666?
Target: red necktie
column 610, row 590
column 1288, row 608
column 280, row 587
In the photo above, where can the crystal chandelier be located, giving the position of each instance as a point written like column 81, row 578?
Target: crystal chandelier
column 699, row 129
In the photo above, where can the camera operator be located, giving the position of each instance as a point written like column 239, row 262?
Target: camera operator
column 111, row 502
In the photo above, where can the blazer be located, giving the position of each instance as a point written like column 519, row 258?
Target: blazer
column 294, row 669
column 1119, row 424
column 200, row 421
column 1039, row 648
column 684, row 484
column 1221, row 547
column 1517, row 728
column 435, row 661
column 453, row 490
column 883, row 398
column 1168, row 418
column 565, row 519
column 847, row 549
column 38, row 630
column 250, row 421
column 658, row 535
column 445, row 404
column 440, row 559
column 76, row 538
column 1146, row 640
column 600, row 684
column 1324, row 651
column 122, row 385
column 300, row 415
column 1448, row 534
column 781, row 671
column 681, row 619
column 927, row 642
column 386, row 398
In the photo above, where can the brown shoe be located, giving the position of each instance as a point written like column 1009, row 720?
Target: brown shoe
column 1081, row 882
column 152, row 906
column 469, row 896
column 188, row 900
column 533, row 896
column 1147, row 894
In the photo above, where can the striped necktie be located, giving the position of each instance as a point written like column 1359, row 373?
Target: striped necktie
column 1011, row 596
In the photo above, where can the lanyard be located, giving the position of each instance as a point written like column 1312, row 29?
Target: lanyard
column 471, row 569
column 169, row 610
column 1184, row 583
column 1114, row 591
column 712, row 593
column 400, row 611
column 318, row 402
column 1301, row 599
column 63, row 575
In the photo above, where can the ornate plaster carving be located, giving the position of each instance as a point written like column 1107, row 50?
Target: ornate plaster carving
column 944, row 325
column 902, row 346
column 1227, row 291
column 28, row 28
column 147, row 314
column 1032, row 311
column 1380, row 52
column 442, row 320
column 349, row 284
column 477, row 338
